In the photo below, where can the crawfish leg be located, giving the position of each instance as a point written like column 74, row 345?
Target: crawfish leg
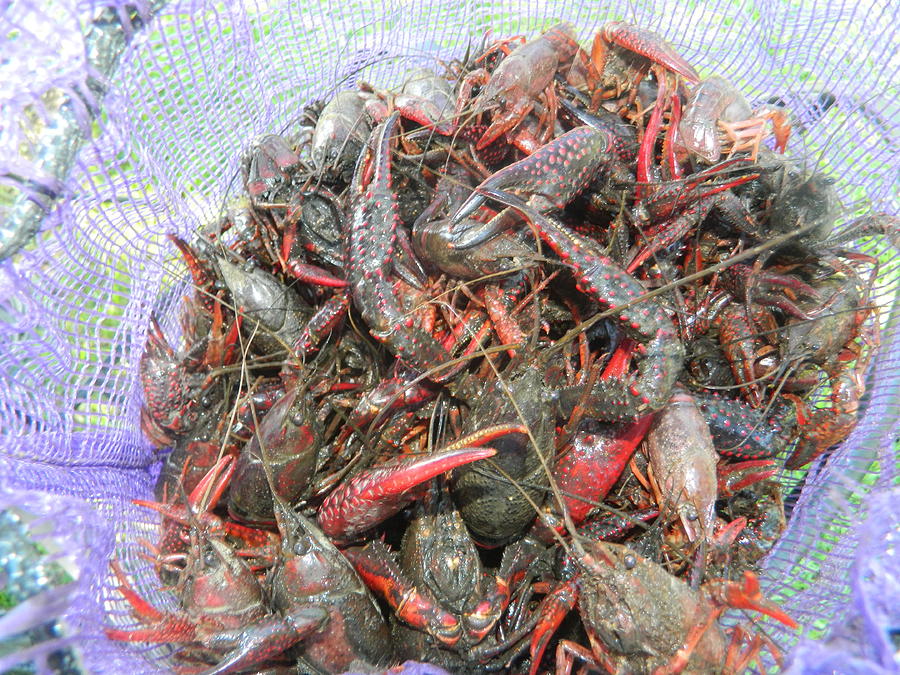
column 552, row 611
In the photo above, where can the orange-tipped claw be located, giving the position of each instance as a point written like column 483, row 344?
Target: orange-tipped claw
column 748, row 596
column 416, row 607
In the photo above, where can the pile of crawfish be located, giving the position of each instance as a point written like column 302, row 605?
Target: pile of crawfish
column 531, row 335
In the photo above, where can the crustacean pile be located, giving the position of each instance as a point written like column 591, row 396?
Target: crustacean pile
column 531, row 334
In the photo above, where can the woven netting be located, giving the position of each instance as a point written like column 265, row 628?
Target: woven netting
column 199, row 80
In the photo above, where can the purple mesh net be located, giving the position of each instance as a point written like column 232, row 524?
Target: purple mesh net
column 198, row 80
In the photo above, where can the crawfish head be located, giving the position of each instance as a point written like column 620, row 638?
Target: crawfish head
column 642, row 613
column 272, row 311
column 804, row 201
column 438, row 551
column 268, row 167
column 217, row 584
column 284, row 448
column 340, row 135
column 176, row 389
column 683, row 458
column 313, row 570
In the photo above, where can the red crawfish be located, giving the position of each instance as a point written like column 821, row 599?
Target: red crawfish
column 521, row 77
column 439, row 586
column 176, row 385
column 284, row 449
column 617, row 41
column 312, row 571
column 223, row 618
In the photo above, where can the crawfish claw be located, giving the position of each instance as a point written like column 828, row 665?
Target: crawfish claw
column 749, row 596
column 551, row 176
column 650, row 45
column 735, row 477
column 373, row 495
column 264, row 640
column 474, row 234
column 470, row 206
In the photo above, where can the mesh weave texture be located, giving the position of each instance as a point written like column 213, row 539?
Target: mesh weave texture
column 199, row 80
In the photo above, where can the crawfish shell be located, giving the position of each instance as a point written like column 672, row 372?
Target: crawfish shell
column 496, row 510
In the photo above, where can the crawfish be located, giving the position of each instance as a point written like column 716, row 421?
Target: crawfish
column 630, row 41
column 272, row 310
column 683, row 460
column 440, row 588
column 312, row 570
column 830, row 425
column 284, row 449
column 715, row 104
column 269, row 167
column 614, row 590
column 763, row 507
column 177, row 387
column 341, row 133
column 520, row 78
column 223, row 618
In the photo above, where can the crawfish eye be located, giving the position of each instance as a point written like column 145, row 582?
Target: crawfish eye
column 297, row 419
column 206, row 401
column 301, row 546
column 249, row 266
column 630, row 561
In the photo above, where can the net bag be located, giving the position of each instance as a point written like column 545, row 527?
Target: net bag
column 126, row 122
